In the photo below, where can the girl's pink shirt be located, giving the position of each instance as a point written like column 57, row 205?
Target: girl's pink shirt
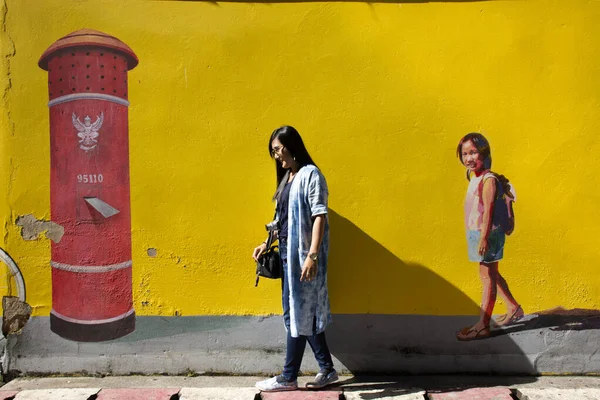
column 474, row 202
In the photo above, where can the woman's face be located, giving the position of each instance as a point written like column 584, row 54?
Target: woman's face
column 281, row 154
column 471, row 157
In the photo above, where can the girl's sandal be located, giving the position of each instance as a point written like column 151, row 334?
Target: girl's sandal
column 470, row 333
column 507, row 319
column 500, row 320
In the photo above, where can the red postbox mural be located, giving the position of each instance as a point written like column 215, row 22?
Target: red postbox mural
column 89, row 185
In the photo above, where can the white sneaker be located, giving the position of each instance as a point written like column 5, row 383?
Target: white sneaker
column 276, row 384
column 323, row 379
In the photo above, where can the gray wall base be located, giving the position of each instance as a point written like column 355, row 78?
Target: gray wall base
column 390, row 344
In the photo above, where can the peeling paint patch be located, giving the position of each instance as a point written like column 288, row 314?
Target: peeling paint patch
column 152, row 252
column 32, row 228
column 15, row 316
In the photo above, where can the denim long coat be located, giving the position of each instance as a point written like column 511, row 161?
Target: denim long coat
column 308, row 300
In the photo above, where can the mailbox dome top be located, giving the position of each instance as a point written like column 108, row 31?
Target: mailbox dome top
column 89, row 37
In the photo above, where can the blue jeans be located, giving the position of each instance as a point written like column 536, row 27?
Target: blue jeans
column 296, row 346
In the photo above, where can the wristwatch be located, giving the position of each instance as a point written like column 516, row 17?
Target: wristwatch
column 313, row 256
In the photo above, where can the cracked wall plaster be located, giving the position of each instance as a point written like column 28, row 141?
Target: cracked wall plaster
column 32, row 228
column 15, row 316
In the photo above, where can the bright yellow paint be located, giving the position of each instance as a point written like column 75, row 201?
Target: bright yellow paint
column 5, row 126
column 381, row 93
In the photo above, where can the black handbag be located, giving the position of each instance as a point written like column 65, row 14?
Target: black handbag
column 269, row 262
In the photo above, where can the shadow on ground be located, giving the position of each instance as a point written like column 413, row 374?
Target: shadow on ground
column 371, row 387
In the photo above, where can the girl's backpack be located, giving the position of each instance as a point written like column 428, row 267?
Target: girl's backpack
column 504, row 215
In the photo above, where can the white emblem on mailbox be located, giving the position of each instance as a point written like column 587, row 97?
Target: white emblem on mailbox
column 88, row 132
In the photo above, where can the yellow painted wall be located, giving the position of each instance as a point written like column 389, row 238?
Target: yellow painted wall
column 381, row 94
column 5, row 126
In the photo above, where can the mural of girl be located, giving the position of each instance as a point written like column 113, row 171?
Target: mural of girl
column 488, row 218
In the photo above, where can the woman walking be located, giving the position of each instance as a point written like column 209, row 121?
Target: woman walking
column 301, row 208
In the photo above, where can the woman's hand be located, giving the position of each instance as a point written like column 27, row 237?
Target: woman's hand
column 259, row 250
column 483, row 245
column 309, row 270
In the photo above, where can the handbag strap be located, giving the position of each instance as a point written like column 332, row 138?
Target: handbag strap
column 270, row 239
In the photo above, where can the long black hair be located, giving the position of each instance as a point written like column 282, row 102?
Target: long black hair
column 291, row 140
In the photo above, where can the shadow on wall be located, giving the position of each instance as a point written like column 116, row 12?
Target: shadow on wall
column 359, row 267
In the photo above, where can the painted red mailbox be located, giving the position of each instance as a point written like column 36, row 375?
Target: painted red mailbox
column 89, row 185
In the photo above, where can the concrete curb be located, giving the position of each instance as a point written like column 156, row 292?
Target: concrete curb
column 349, row 388
column 558, row 394
column 218, row 394
column 237, row 393
column 57, row 394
